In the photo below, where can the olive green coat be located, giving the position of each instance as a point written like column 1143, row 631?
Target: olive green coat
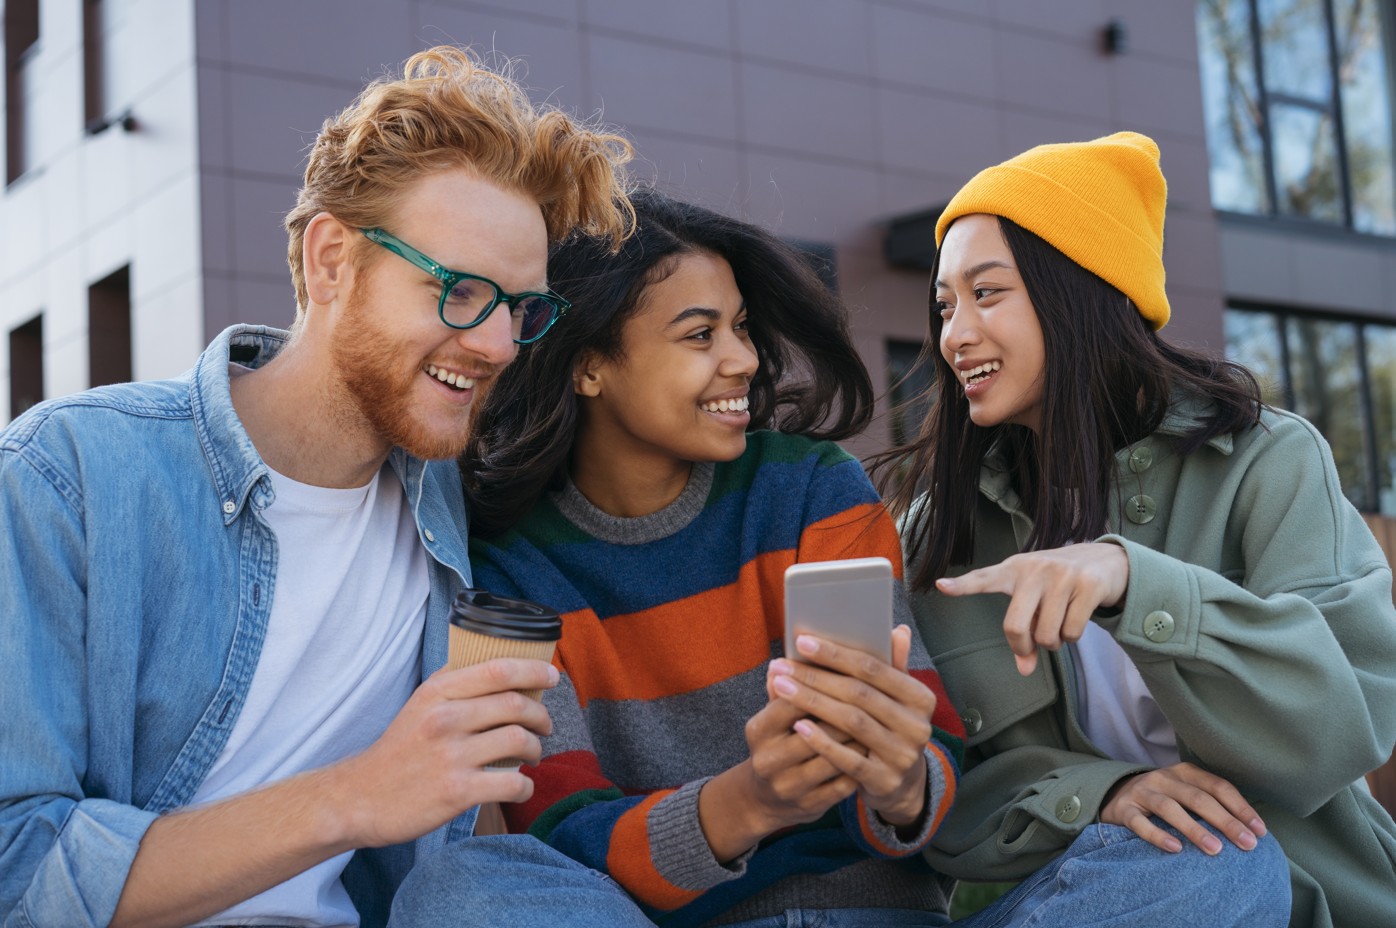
column 1259, row 613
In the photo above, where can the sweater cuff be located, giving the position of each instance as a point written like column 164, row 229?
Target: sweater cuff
column 879, row 838
column 681, row 852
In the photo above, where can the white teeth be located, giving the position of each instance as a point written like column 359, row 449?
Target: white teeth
column 735, row 405
column 459, row 381
column 987, row 367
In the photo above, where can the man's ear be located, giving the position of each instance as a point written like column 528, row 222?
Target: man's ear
column 325, row 250
column 586, row 376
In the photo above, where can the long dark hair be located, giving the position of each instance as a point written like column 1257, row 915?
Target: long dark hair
column 1109, row 381
column 810, row 380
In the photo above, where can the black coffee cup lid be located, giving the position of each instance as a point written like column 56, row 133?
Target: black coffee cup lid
column 484, row 613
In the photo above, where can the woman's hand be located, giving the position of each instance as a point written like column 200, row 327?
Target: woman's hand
column 1053, row 593
column 1179, row 795
column 784, row 782
column 884, row 711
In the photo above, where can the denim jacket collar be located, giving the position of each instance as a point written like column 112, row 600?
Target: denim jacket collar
column 232, row 459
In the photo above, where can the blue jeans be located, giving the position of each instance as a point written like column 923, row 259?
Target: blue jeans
column 1111, row 878
column 1108, row 878
column 502, row 881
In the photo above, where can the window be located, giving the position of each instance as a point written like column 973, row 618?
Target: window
column 94, row 96
column 1340, row 374
column 109, row 328
column 910, row 389
column 21, row 48
column 1297, row 98
column 26, row 365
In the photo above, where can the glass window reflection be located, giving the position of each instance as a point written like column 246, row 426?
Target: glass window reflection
column 1381, row 371
column 1306, row 163
column 1327, row 384
column 1294, row 44
column 1365, row 82
column 1253, row 339
column 1297, row 98
column 1231, row 106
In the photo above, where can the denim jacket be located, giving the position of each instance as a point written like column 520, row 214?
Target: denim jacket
column 136, row 580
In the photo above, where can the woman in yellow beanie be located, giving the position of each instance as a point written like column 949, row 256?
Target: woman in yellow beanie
column 1169, row 635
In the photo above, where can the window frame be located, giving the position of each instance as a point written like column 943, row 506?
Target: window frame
column 1271, row 211
column 1287, row 316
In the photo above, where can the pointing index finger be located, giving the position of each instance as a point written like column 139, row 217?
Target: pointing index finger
column 984, row 580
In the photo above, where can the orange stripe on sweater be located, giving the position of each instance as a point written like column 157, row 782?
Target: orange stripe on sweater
column 631, row 863
column 692, row 643
column 865, row 530
column 680, row 646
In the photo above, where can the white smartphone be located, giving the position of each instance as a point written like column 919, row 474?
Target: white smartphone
column 848, row 602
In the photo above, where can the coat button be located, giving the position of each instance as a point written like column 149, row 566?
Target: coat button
column 1140, row 509
column 973, row 721
column 1158, row 626
column 1069, row 809
column 1141, row 458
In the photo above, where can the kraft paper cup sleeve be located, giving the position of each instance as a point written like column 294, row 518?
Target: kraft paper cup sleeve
column 467, row 648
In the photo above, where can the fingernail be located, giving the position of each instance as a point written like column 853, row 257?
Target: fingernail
column 1258, row 827
column 780, row 665
column 1211, row 845
column 1246, row 841
column 806, row 645
column 553, row 676
column 804, row 728
column 946, row 583
column 1173, row 845
column 784, row 686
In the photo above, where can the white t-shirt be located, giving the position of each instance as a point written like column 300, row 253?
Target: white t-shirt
column 341, row 656
column 1118, row 713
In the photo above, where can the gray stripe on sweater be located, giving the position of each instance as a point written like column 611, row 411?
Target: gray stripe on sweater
column 654, row 744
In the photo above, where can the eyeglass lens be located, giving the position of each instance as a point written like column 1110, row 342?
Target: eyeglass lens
column 464, row 302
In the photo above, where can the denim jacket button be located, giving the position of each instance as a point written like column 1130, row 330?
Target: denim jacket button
column 230, row 507
column 1069, row 809
column 430, row 536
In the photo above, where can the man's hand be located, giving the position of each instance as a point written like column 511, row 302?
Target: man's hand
column 1053, row 593
column 431, row 763
column 1176, row 794
column 427, row 768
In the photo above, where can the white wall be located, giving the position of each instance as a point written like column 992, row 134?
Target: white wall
column 89, row 205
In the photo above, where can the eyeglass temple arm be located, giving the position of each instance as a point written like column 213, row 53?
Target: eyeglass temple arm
column 406, row 251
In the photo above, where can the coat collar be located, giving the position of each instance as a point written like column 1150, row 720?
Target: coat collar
column 1185, row 413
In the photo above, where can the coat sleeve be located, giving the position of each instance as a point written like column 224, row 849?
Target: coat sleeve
column 64, row 856
column 1280, row 677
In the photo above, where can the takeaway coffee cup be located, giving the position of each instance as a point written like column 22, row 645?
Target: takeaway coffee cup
column 485, row 626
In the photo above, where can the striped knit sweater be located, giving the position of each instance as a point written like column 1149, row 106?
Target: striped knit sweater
column 668, row 623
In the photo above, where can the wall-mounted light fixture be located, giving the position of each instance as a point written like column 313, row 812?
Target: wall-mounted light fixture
column 1116, row 37
column 125, row 119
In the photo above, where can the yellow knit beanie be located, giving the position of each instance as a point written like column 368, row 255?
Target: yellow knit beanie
column 1100, row 203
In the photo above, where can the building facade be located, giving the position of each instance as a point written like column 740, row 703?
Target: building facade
column 152, row 148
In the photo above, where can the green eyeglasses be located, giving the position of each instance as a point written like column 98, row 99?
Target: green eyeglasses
column 468, row 299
